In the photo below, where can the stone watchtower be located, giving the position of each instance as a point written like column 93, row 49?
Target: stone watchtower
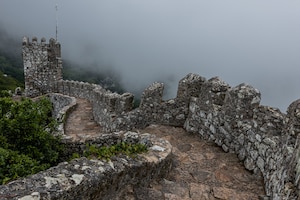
column 42, row 66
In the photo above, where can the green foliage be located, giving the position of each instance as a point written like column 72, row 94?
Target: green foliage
column 74, row 156
column 106, row 152
column 5, row 93
column 12, row 66
column 14, row 165
column 8, row 83
column 25, row 137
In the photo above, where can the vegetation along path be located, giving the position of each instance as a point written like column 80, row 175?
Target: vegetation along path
column 201, row 169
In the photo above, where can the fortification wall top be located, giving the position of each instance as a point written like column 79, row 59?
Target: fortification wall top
column 34, row 41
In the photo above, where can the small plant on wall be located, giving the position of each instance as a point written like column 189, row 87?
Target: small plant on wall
column 106, row 152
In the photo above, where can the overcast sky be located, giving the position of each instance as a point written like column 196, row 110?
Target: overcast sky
column 256, row 42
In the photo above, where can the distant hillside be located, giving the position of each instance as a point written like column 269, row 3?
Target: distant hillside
column 8, row 83
column 11, row 67
column 108, row 80
column 11, row 71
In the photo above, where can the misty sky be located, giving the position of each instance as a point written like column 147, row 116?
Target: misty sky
column 256, row 42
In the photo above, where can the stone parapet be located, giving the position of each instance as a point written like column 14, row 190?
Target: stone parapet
column 190, row 86
column 260, row 135
column 96, row 179
column 62, row 106
column 106, row 105
column 154, row 110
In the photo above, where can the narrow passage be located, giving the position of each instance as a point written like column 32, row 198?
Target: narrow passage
column 80, row 123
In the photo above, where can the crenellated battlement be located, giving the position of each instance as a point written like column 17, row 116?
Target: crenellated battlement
column 265, row 140
column 34, row 41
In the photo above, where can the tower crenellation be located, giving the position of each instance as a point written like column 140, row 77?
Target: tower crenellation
column 42, row 66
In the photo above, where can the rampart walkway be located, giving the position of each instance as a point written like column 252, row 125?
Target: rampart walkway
column 201, row 169
column 80, row 123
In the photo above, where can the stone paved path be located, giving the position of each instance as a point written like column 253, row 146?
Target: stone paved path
column 202, row 171
column 80, row 123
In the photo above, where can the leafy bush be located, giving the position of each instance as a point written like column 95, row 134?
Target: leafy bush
column 5, row 93
column 27, row 144
column 14, row 165
column 106, row 152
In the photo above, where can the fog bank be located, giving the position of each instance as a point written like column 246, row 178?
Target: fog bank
column 256, row 42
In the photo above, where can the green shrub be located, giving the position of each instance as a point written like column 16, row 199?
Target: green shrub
column 14, row 165
column 106, row 152
column 5, row 93
column 27, row 145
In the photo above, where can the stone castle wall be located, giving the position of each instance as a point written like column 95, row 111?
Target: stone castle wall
column 106, row 105
column 114, row 112
column 234, row 120
column 265, row 140
column 42, row 66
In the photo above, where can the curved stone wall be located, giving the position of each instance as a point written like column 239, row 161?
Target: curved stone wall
column 259, row 135
column 264, row 139
column 106, row 105
column 62, row 106
column 96, row 179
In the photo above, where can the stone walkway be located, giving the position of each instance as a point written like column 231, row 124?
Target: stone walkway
column 202, row 171
column 80, row 123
